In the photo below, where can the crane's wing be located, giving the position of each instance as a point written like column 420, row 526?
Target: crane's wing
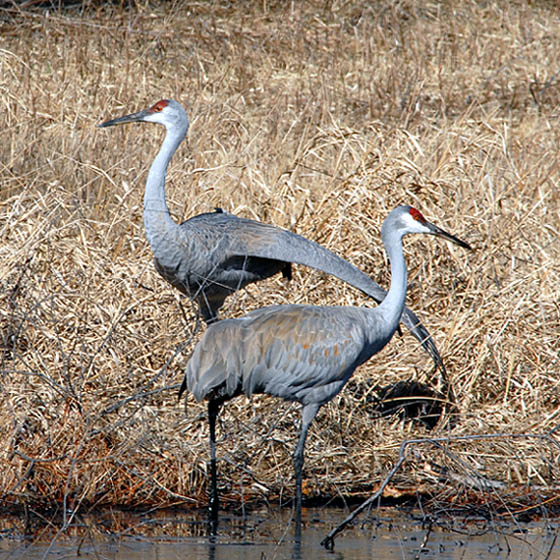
column 296, row 352
column 304, row 353
column 241, row 237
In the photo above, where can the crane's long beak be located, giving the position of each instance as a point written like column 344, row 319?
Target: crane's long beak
column 134, row 117
column 434, row 230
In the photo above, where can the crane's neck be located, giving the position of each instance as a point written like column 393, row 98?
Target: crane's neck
column 157, row 220
column 391, row 308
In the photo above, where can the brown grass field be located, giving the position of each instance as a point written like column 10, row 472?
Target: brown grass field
column 318, row 117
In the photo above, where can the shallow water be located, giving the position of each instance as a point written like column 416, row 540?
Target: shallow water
column 268, row 534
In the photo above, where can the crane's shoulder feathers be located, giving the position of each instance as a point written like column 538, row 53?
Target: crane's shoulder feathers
column 235, row 229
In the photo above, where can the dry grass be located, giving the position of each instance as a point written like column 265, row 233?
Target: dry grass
column 317, row 117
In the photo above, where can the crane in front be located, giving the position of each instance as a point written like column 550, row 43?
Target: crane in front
column 300, row 353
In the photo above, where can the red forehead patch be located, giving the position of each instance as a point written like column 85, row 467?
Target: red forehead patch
column 159, row 106
column 417, row 215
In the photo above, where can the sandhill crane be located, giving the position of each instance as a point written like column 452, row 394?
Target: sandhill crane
column 300, row 353
column 212, row 255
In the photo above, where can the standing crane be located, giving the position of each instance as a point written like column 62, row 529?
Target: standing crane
column 210, row 256
column 300, row 353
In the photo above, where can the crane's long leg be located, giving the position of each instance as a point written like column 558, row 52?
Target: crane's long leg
column 308, row 413
column 213, row 502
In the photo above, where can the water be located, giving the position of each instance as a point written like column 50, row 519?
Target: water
column 268, row 534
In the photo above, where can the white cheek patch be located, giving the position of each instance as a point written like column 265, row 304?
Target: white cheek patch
column 410, row 221
column 153, row 117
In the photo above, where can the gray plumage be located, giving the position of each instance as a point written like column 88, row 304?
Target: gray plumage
column 301, row 353
column 210, row 256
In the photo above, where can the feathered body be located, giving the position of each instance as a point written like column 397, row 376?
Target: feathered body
column 299, row 353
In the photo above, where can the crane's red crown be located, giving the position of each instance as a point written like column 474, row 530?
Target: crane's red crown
column 417, row 215
column 159, row 106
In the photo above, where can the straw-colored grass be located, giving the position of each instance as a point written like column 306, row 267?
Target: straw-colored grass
column 317, row 117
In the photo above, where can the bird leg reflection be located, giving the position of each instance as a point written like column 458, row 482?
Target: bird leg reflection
column 213, row 502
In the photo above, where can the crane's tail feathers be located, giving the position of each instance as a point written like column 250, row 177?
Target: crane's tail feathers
column 419, row 331
column 413, row 324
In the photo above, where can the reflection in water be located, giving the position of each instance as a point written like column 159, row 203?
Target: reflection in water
column 269, row 534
